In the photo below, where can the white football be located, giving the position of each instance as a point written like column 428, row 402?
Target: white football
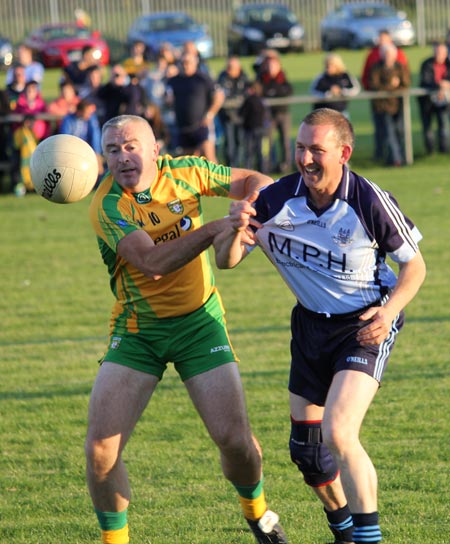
column 64, row 168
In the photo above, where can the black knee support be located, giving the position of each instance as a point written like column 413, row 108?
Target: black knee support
column 311, row 456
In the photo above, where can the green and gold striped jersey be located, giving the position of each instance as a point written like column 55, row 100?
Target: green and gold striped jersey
column 169, row 209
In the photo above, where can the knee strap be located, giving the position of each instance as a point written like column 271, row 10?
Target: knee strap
column 312, row 457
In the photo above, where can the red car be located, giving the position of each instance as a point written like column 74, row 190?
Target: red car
column 57, row 45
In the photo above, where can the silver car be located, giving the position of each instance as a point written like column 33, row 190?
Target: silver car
column 358, row 24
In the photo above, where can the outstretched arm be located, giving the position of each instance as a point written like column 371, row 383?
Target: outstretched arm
column 156, row 260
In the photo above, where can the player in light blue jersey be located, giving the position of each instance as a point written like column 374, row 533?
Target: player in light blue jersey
column 328, row 231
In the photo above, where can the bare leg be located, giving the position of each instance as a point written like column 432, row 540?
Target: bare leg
column 219, row 398
column 118, row 398
column 348, row 400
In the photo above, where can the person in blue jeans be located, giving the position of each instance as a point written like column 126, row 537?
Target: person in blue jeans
column 389, row 75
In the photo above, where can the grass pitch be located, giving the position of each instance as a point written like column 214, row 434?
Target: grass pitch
column 55, row 308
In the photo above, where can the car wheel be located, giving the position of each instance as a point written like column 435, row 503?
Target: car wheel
column 354, row 43
column 325, row 44
column 244, row 49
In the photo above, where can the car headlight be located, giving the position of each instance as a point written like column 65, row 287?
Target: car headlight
column 204, row 46
column 296, row 32
column 253, row 35
column 97, row 54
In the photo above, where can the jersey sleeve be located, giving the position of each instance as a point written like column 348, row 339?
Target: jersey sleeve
column 394, row 232
column 111, row 222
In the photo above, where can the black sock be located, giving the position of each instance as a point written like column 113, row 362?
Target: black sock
column 341, row 523
column 366, row 528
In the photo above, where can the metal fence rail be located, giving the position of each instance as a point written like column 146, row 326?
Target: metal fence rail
column 113, row 17
column 406, row 95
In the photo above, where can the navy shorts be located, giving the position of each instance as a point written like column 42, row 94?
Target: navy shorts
column 193, row 138
column 321, row 347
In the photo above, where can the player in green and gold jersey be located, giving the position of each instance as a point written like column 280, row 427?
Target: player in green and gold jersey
column 147, row 215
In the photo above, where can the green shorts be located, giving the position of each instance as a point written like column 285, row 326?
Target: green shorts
column 195, row 343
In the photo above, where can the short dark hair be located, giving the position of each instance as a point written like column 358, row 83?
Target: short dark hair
column 342, row 126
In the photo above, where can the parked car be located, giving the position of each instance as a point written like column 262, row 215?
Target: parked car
column 6, row 53
column 259, row 26
column 56, row 45
column 175, row 28
column 357, row 25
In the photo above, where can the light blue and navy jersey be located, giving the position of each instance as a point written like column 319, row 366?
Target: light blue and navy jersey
column 334, row 260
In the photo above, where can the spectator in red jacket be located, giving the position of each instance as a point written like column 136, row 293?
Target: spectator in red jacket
column 374, row 56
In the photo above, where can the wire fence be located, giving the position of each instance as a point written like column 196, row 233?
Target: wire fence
column 112, row 18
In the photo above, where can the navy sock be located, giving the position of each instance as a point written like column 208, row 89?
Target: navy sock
column 341, row 523
column 366, row 528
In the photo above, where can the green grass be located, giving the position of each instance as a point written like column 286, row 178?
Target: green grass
column 55, row 308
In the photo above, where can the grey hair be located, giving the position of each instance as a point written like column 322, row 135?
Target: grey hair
column 119, row 122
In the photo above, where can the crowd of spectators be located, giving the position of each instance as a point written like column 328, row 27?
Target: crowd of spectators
column 225, row 118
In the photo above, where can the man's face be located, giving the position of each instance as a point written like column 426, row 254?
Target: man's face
column 320, row 158
column 131, row 153
column 189, row 64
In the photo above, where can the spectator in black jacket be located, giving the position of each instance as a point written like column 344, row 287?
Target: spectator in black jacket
column 275, row 85
column 253, row 113
column 335, row 82
column 121, row 95
column 233, row 81
column 435, row 78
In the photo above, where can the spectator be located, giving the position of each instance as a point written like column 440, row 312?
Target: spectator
column 335, row 82
column 374, row 56
column 91, row 89
column 253, row 114
column 65, row 103
column 233, row 81
column 154, row 84
column 389, row 75
column 77, row 71
column 384, row 39
column 196, row 101
column 31, row 103
column 34, row 71
column 120, row 95
column 84, row 124
column 24, row 142
column 276, row 85
column 153, row 114
column 136, row 64
column 168, row 52
column 191, row 48
column 435, row 78
column 5, row 135
column 17, row 85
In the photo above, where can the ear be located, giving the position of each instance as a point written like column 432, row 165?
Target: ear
column 346, row 153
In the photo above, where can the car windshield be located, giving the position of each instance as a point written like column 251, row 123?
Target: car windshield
column 373, row 11
column 61, row 32
column 170, row 23
column 270, row 15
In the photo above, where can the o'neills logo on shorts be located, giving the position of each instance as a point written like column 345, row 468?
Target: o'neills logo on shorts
column 359, row 360
column 220, row 348
column 115, row 342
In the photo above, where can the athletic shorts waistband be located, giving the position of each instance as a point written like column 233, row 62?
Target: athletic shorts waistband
column 338, row 317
